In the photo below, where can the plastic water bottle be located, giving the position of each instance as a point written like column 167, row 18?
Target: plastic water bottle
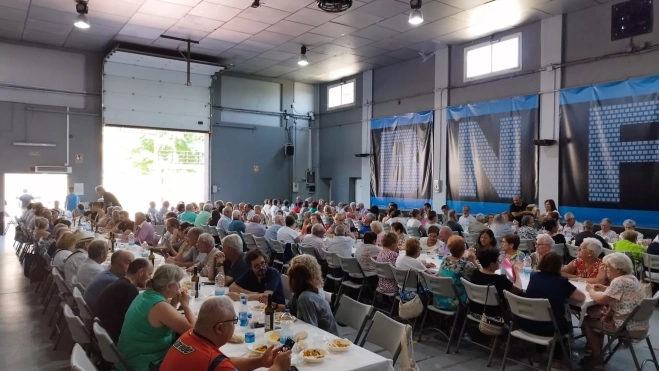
column 131, row 239
column 145, row 250
column 527, row 265
column 220, row 289
column 242, row 312
column 286, row 323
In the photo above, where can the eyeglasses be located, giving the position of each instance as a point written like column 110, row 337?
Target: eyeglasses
column 260, row 265
column 234, row 320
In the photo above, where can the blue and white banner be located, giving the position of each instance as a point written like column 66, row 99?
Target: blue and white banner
column 491, row 155
column 401, row 164
column 609, row 151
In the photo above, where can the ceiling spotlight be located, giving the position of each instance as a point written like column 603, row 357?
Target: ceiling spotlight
column 256, row 4
column 303, row 61
column 416, row 17
column 81, row 19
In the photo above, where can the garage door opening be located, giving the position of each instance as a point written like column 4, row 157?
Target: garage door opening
column 44, row 188
column 143, row 165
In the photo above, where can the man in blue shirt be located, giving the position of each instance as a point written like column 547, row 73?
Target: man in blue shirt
column 271, row 233
column 367, row 224
column 236, row 224
column 225, row 220
column 72, row 200
column 119, row 263
column 260, row 280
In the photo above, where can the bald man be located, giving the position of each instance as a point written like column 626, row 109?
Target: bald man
column 119, row 262
column 198, row 348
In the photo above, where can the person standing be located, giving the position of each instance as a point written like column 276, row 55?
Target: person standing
column 108, row 198
column 25, row 199
column 518, row 209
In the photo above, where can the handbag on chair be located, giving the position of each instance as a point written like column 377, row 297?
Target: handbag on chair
column 412, row 308
column 491, row 326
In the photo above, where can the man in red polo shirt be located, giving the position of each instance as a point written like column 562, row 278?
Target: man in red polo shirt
column 198, row 349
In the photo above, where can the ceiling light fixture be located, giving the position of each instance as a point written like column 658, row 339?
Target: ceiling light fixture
column 303, row 61
column 334, row 6
column 81, row 19
column 256, row 4
column 416, row 17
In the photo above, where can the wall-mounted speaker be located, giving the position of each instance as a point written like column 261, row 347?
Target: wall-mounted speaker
column 631, row 18
column 289, row 149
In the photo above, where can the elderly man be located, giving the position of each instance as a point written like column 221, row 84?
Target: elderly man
column 231, row 261
column 78, row 256
column 113, row 302
column 518, row 209
column 248, row 211
column 198, row 348
column 571, row 227
column 478, row 226
column 288, row 234
column 315, row 240
column 340, row 243
column 444, row 234
column 192, row 256
column 144, row 231
column 361, row 209
column 629, row 225
column 188, row 215
column 202, row 218
column 206, row 245
column 368, row 218
column 163, row 210
column 225, row 220
column 236, row 224
column 108, row 198
column 259, row 281
column 588, row 233
column 256, row 229
column 466, row 218
column 119, row 262
column 96, row 254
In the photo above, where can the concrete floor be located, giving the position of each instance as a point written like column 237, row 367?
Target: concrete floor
column 25, row 346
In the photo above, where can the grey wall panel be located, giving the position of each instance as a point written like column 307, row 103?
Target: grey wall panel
column 528, row 81
column 587, row 34
column 338, row 146
column 404, row 87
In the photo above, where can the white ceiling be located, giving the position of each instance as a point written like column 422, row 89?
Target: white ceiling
column 266, row 41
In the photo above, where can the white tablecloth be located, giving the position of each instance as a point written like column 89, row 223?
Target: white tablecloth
column 355, row 359
column 160, row 260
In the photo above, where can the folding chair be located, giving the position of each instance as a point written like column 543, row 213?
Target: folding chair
column 79, row 332
column 279, row 254
column 359, row 224
column 295, row 248
column 109, row 350
column 80, row 361
column 443, row 286
column 250, row 241
column 213, row 231
column 413, row 232
column 573, row 250
column 83, row 309
column 385, row 227
column 607, row 251
column 386, row 333
column 262, row 244
column 222, row 233
column 478, row 294
column 351, row 265
column 335, row 273
column 288, row 295
column 470, row 238
column 206, row 229
column 325, row 220
column 385, row 272
column 353, row 314
column 159, row 229
column 64, row 296
column 407, row 280
column 650, row 268
column 309, row 250
column 536, row 310
column 527, row 246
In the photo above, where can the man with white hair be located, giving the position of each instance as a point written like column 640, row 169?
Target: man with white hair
column 144, row 231
column 466, row 218
column 231, row 260
column 340, row 243
column 478, row 226
column 77, row 257
column 368, row 218
column 206, row 245
column 255, row 228
column 109, row 199
column 571, row 227
column 315, row 240
column 276, row 204
column 225, row 220
column 188, row 215
column 163, row 210
column 444, row 234
column 271, row 232
column 202, row 218
column 630, row 225
column 96, row 254
column 236, row 224
column 362, row 209
column 248, row 211
column 200, row 347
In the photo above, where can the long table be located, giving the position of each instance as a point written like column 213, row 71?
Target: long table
column 355, row 359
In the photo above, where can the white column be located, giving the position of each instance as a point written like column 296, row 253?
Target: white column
column 367, row 114
column 441, row 128
column 550, row 83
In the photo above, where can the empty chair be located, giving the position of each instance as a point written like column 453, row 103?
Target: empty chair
column 206, row 229
column 159, row 229
column 385, row 272
column 309, row 250
column 573, row 250
column 278, row 246
column 79, row 332
column 559, row 249
column 351, row 265
column 214, row 231
column 386, row 333
column 443, row 286
column 287, row 288
column 413, row 232
column 64, row 296
column 527, row 245
column 262, row 244
column 650, row 267
column 80, row 361
column 353, row 314
column 222, row 233
column 85, row 313
column 249, row 240
column 335, row 273
column 109, row 350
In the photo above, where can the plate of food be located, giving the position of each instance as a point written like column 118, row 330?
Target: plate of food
column 236, row 339
column 273, row 337
column 259, row 348
column 314, row 355
column 278, row 316
column 258, row 307
column 339, row 345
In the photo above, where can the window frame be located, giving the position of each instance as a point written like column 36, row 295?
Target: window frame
column 490, row 43
column 354, row 94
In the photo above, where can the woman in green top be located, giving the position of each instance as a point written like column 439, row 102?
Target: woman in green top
column 628, row 244
column 147, row 331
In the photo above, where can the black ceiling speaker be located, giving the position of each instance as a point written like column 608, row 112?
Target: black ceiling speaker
column 631, row 18
column 334, row 6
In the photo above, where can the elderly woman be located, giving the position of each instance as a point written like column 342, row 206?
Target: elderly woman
column 364, row 253
column 500, row 226
column 411, row 261
column 113, row 221
column 150, row 321
column 455, row 266
column 453, row 222
column 606, row 232
column 630, row 225
column 339, row 219
column 619, row 300
column 65, row 245
column 587, row 267
column 485, row 241
column 510, row 246
column 389, row 254
column 431, row 243
column 41, row 225
column 543, row 245
column 526, row 230
column 628, row 244
column 398, row 228
column 378, row 229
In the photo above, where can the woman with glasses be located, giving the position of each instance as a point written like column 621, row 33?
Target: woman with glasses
column 543, row 245
column 606, row 232
column 151, row 320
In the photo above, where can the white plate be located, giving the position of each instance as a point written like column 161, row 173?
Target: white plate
column 311, row 359
column 272, row 334
column 252, row 347
column 333, row 348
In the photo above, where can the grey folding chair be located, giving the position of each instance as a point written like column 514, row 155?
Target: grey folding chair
column 206, row 229
column 250, row 241
column 478, row 294
column 278, row 246
column 309, row 250
column 385, row 227
column 413, row 232
column 79, row 332
column 650, row 268
column 574, row 250
column 83, row 309
column 288, row 295
column 213, row 231
column 353, row 314
column 407, row 280
column 335, row 273
column 386, row 333
column 222, row 233
column 607, row 251
column 536, row 310
column 385, row 272
column 262, row 244
column 80, row 361
column 56, row 318
column 325, row 220
column 351, row 265
column 470, row 238
column 109, row 350
column 295, row 248
column 559, row 249
column 160, row 229
column 527, row 245
column 443, row 286
column 359, row 224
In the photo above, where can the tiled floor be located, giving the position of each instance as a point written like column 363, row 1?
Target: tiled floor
column 24, row 331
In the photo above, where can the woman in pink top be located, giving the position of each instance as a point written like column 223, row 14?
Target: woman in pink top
column 389, row 254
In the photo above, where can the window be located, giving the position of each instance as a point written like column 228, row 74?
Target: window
column 341, row 95
column 493, row 58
